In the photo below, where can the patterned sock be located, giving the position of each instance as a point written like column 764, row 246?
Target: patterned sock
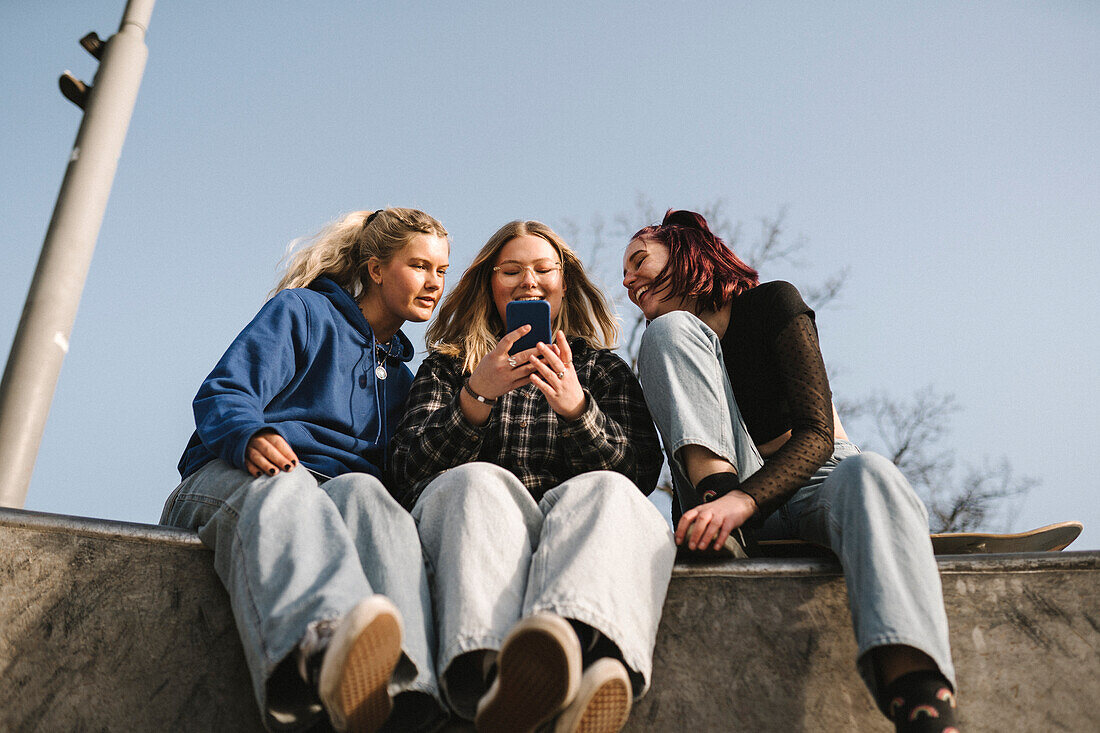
column 921, row 702
column 594, row 645
column 312, row 648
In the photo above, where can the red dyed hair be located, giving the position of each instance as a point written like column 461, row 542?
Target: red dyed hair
column 700, row 265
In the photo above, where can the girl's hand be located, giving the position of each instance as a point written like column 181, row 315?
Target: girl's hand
column 556, row 378
column 498, row 373
column 267, row 453
column 715, row 520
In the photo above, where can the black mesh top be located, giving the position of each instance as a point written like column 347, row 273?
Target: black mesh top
column 774, row 363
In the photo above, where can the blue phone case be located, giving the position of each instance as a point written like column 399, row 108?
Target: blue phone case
column 535, row 313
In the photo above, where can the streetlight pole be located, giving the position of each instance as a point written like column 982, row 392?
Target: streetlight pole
column 42, row 339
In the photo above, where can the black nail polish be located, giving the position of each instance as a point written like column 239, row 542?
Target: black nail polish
column 286, row 467
column 272, row 472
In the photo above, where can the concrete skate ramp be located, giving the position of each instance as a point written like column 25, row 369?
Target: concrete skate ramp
column 112, row 626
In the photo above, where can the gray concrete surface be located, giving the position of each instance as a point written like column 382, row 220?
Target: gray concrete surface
column 115, row 626
column 767, row 646
column 111, row 626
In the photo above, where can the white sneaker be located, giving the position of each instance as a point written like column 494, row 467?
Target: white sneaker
column 358, row 664
column 603, row 701
column 538, row 674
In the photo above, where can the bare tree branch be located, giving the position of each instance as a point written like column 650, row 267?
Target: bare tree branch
column 985, row 498
column 773, row 246
column 912, row 434
column 821, row 296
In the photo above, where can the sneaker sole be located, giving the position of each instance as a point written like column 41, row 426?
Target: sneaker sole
column 355, row 689
column 735, row 548
column 539, row 674
column 603, row 702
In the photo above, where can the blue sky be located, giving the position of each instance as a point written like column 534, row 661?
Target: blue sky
column 946, row 153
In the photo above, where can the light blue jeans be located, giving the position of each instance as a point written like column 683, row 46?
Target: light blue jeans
column 594, row 550
column 857, row 504
column 290, row 552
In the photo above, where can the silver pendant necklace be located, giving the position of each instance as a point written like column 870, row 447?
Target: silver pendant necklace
column 380, row 370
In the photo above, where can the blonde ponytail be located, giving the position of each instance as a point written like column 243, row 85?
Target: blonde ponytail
column 342, row 249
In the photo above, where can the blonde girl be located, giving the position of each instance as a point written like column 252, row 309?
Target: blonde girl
column 282, row 480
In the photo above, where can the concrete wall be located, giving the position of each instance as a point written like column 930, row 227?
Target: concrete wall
column 767, row 646
column 113, row 626
column 109, row 626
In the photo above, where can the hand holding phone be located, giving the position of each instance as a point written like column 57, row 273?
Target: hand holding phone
column 528, row 326
column 557, row 378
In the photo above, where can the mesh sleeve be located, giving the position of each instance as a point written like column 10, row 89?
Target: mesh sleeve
column 802, row 372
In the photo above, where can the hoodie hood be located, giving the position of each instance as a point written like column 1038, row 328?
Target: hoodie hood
column 399, row 347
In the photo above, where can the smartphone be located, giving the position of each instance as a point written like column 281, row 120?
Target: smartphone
column 533, row 313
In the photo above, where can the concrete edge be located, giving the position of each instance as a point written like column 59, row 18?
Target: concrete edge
column 102, row 528
column 771, row 567
column 948, row 565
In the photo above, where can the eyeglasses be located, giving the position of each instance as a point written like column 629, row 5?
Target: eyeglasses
column 511, row 273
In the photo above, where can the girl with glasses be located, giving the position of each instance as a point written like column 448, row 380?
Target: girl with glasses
column 527, row 476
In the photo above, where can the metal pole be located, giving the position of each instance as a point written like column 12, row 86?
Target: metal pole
column 42, row 339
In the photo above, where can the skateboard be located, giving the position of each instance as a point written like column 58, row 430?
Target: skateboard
column 1050, row 538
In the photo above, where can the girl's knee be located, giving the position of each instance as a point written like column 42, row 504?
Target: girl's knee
column 667, row 332
column 360, row 492
column 873, row 479
column 605, row 486
column 609, row 491
column 617, row 487
column 476, row 484
column 285, row 494
column 866, row 465
column 285, row 486
column 672, row 325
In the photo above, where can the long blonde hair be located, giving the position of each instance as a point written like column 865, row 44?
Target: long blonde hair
column 344, row 247
column 469, row 327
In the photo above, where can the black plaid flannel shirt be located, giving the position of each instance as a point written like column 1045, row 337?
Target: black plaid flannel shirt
column 523, row 434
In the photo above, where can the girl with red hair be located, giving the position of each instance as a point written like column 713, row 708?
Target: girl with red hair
column 734, row 378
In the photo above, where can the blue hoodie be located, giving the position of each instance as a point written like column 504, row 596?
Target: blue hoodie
column 305, row 367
